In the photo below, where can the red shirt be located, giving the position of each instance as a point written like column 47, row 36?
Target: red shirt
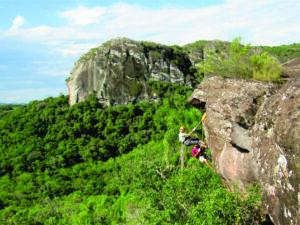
column 194, row 151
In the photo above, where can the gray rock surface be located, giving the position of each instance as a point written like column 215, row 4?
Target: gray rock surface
column 197, row 51
column 252, row 129
column 117, row 71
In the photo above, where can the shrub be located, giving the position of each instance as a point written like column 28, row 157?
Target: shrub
column 265, row 67
column 238, row 61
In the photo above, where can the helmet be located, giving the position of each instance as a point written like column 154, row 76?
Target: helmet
column 182, row 128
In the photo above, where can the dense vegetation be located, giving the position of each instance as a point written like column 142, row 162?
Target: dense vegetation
column 7, row 108
column 237, row 60
column 284, row 52
column 203, row 44
column 87, row 164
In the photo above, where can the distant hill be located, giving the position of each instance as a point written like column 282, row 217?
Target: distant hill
column 13, row 104
column 8, row 108
column 284, row 53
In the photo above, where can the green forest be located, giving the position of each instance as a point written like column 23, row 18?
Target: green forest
column 7, row 108
column 87, row 164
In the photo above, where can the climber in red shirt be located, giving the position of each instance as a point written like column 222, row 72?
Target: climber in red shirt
column 198, row 152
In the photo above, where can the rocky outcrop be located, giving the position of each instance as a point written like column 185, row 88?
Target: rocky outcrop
column 197, row 51
column 118, row 71
column 292, row 68
column 252, row 129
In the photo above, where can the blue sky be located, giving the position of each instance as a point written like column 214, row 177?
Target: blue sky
column 41, row 39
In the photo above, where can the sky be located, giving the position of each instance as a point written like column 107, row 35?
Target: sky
column 40, row 40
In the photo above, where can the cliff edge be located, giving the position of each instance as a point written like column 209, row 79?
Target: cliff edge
column 252, row 129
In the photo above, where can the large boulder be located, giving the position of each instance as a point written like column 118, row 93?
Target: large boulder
column 252, row 129
column 117, row 71
column 292, row 68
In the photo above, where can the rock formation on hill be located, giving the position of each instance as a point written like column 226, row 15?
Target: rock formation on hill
column 117, row 71
column 252, row 129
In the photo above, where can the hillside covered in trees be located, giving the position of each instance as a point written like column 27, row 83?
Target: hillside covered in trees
column 86, row 164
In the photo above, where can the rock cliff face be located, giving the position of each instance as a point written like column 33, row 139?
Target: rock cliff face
column 118, row 71
column 252, row 129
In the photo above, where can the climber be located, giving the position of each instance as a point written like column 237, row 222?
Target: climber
column 186, row 139
column 198, row 152
column 183, row 136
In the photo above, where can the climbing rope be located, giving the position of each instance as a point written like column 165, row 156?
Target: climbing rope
column 201, row 121
column 204, row 117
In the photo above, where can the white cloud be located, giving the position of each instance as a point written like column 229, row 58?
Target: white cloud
column 17, row 22
column 13, row 98
column 73, row 49
column 257, row 21
column 26, row 95
column 39, row 33
column 83, row 15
